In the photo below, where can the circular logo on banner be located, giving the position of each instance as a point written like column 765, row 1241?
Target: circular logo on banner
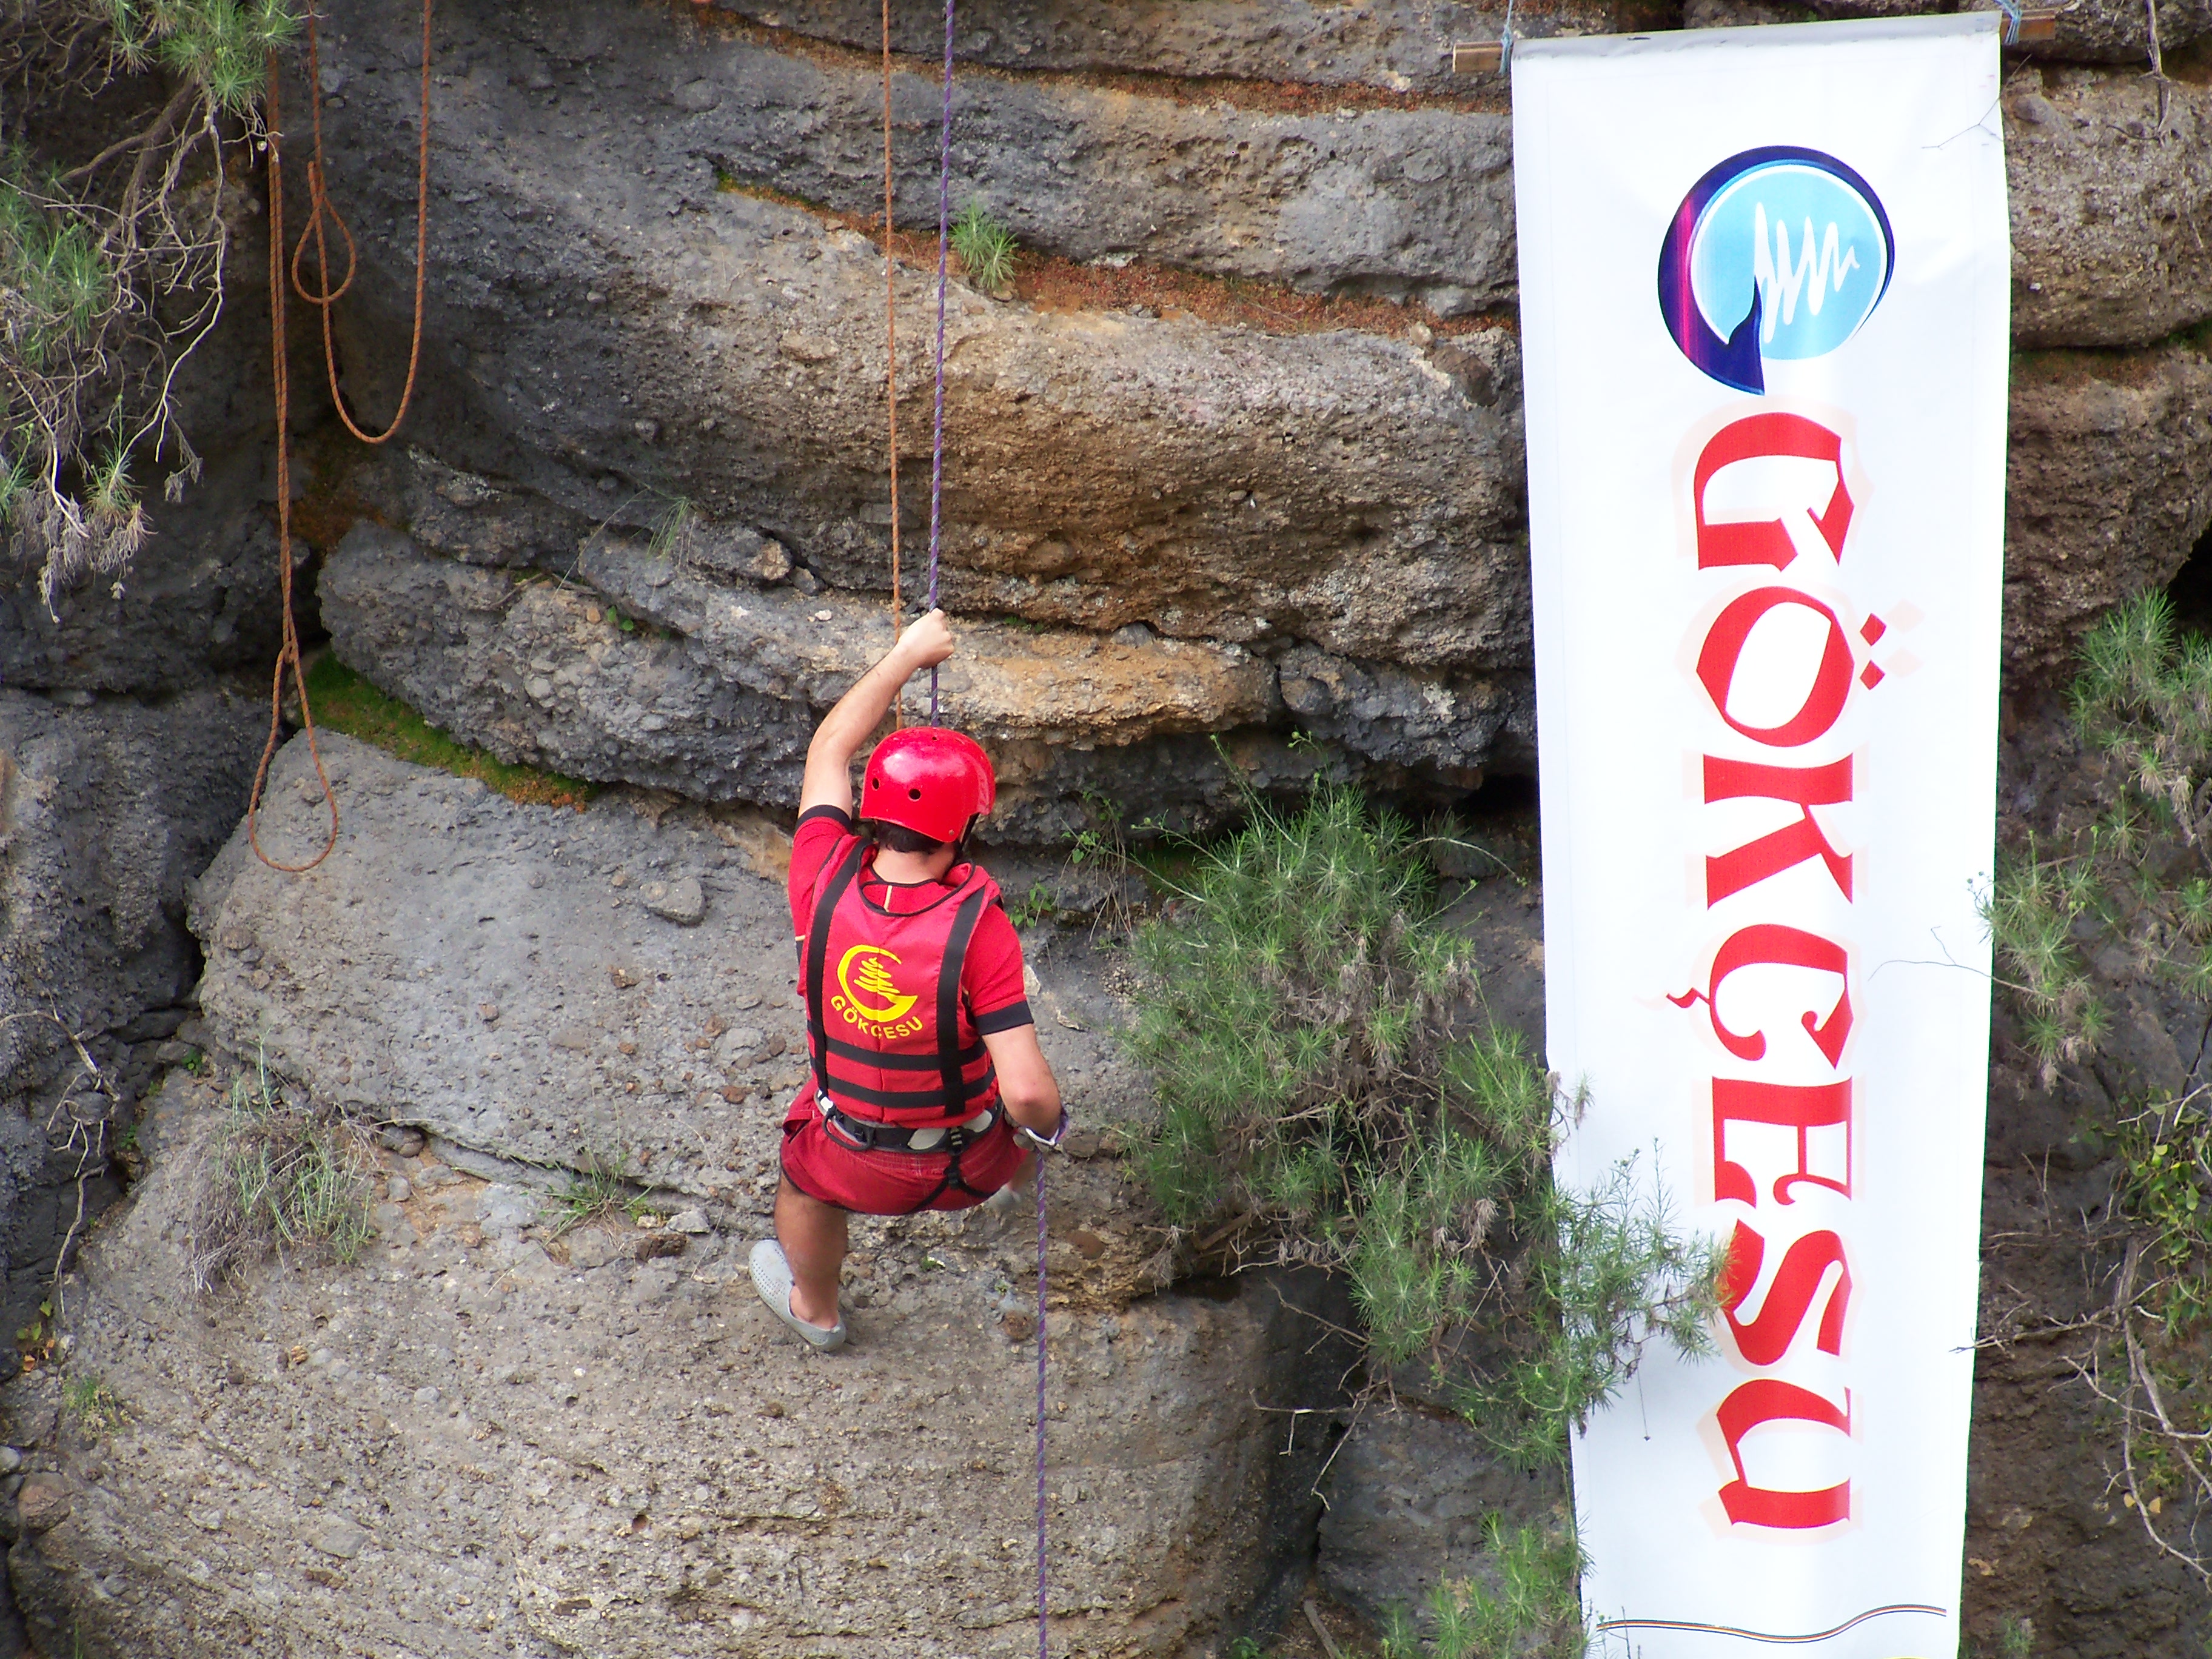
column 1774, row 255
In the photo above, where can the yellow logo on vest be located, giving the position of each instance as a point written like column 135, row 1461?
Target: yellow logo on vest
column 871, row 999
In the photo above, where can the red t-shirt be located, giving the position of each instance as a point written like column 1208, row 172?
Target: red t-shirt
column 990, row 977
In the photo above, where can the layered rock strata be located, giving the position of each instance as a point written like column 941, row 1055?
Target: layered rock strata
column 1387, row 45
column 621, row 320
column 716, row 696
column 1410, row 202
column 642, row 343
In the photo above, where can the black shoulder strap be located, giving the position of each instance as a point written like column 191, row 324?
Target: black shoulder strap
column 817, row 954
column 948, row 1000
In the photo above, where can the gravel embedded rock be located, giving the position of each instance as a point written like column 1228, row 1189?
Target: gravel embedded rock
column 681, row 900
column 634, row 1459
column 43, row 1502
column 335, row 1536
column 2109, row 486
column 2111, row 206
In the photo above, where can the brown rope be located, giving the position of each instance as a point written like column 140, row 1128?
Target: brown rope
column 288, row 652
column 319, row 208
column 890, row 357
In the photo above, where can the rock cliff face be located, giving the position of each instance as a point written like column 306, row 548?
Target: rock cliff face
column 494, row 1437
column 1232, row 499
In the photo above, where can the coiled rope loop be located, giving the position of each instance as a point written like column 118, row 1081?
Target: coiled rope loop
column 323, row 296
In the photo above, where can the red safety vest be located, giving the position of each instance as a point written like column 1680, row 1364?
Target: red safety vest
column 891, row 1039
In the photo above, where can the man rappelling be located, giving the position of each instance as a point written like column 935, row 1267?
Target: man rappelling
column 923, row 1053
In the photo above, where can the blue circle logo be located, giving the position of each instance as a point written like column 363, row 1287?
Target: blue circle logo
column 1777, row 255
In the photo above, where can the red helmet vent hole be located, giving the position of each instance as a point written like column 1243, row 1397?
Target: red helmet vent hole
column 913, row 794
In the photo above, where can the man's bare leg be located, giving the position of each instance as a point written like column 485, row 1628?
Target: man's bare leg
column 813, row 1235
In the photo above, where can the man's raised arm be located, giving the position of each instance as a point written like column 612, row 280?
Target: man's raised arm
column 926, row 642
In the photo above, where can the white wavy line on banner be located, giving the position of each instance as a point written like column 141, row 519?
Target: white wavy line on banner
column 1760, row 1636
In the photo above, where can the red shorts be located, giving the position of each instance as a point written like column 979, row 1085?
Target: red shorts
column 887, row 1182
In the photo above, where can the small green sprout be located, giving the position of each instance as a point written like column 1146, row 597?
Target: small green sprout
column 985, row 248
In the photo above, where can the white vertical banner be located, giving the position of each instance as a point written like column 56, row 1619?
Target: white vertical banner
column 1765, row 276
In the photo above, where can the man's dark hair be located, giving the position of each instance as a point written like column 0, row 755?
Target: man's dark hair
column 900, row 839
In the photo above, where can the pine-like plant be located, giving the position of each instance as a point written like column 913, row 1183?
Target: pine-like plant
column 112, row 270
column 1332, row 1091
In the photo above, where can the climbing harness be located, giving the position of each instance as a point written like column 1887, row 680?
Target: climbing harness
column 925, row 1074
column 288, row 651
column 916, row 1088
column 324, row 298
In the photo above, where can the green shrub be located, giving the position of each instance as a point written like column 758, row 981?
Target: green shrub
column 2143, row 700
column 112, row 272
column 2031, row 910
column 984, row 247
column 219, row 45
column 2165, row 1188
column 1331, row 1093
column 1536, row 1608
column 602, row 1188
column 2132, row 891
column 281, row 1179
column 96, row 1407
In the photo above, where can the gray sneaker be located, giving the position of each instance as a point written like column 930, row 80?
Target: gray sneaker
column 772, row 1278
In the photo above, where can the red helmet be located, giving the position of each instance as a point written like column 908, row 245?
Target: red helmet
column 934, row 782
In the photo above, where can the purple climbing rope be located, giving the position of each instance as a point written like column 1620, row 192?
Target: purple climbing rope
column 944, row 242
column 936, row 522
column 1042, row 1627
